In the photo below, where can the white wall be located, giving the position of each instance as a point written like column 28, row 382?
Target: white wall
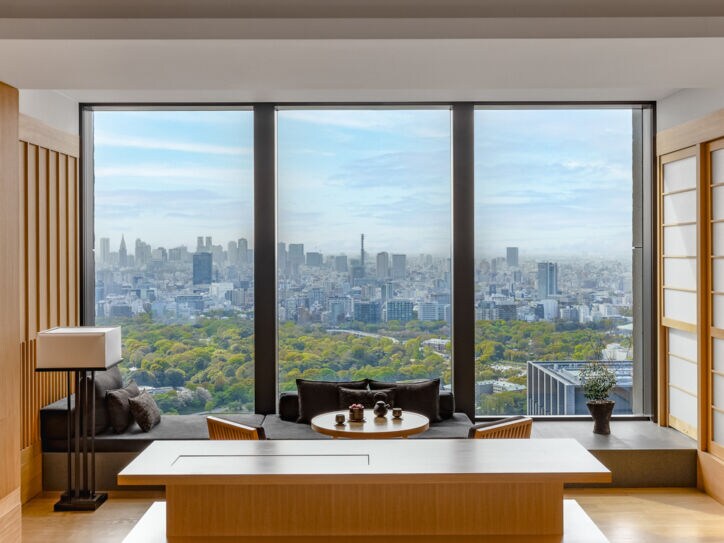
column 51, row 107
column 687, row 105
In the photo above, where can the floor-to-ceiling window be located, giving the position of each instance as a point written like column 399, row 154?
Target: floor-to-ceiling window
column 174, row 254
column 364, row 249
column 363, row 214
column 553, row 256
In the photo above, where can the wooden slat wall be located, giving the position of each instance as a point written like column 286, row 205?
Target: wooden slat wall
column 50, row 273
column 10, row 284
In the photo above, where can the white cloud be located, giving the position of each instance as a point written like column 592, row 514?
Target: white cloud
column 103, row 139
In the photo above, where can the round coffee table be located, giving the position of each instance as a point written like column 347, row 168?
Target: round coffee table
column 373, row 427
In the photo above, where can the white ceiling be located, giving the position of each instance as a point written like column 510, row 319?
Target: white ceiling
column 353, row 59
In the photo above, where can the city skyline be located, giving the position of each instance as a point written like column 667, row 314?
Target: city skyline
column 562, row 189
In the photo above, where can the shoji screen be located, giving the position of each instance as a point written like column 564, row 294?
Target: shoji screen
column 716, row 284
column 679, row 270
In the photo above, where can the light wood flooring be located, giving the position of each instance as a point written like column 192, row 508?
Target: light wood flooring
column 624, row 516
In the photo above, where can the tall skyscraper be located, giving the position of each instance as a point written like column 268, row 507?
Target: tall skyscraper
column 122, row 253
column 200, row 244
column 383, row 265
column 399, row 266
column 105, row 250
column 511, row 257
column 362, row 255
column 282, row 258
column 399, row 310
column 340, row 264
column 547, row 279
column 232, row 253
column 315, row 259
column 296, row 257
column 202, row 265
column 208, row 244
column 243, row 251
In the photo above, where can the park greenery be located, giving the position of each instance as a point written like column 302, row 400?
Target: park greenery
column 207, row 365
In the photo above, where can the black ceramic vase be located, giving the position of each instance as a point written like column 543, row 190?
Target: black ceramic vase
column 601, row 413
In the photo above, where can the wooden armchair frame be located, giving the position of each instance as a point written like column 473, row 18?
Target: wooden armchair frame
column 517, row 427
column 226, row 429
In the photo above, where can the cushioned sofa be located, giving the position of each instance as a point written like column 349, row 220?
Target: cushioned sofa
column 285, row 425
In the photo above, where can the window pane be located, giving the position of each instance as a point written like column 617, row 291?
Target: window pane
column 364, row 244
column 174, row 256
column 553, row 238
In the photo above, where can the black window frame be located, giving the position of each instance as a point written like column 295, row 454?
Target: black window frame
column 462, row 243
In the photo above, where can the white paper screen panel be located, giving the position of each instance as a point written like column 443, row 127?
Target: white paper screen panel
column 680, row 174
column 718, row 354
column 683, row 406
column 680, row 207
column 718, row 426
column 718, row 310
column 680, row 306
column 680, row 240
column 680, row 273
column 682, row 344
column 718, row 389
column 683, row 374
column 717, row 239
column 717, row 279
column 717, row 203
column 717, row 166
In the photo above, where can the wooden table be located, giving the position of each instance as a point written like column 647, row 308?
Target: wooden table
column 349, row 488
column 373, row 427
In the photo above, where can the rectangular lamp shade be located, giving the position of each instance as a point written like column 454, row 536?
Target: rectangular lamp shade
column 79, row 348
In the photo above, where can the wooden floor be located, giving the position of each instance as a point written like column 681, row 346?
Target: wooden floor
column 624, row 515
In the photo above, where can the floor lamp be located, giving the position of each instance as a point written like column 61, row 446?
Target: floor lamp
column 82, row 350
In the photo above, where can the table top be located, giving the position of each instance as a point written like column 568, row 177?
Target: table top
column 324, row 461
column 373, row 427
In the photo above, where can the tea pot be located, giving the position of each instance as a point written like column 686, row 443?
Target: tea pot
column 380, row 409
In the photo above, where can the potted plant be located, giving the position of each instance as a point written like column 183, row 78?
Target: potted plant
column 598, row 380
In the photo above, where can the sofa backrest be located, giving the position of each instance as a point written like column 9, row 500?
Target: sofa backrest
column 289, row 405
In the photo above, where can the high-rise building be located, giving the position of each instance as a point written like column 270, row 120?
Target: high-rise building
column 243, row 248
column 282, row 258
column 315, row 259
column 208, row 243
column 200, row 244
column 142, row 253
column 547, row 279
column 428, row 311
column 340, row 264
column 368, row 312
column 362, row 251
column 232, row 253
column 202, row 266
column 296, row 257
column 383, row 265
column 399, row 310
column 511, row 257
column 105, row 250
column 122, row 253
column 399, row 266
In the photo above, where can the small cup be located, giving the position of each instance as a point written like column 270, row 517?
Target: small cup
column 339, row 419
column 397, row 412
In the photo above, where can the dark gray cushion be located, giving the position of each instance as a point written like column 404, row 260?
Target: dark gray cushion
column 289, row 406
column 447, row 404
column 145, row 411
column 368, row 398
column 104, row 381
column 422, row 397
column 456, row 427
column 119, row 410
column 317, row 397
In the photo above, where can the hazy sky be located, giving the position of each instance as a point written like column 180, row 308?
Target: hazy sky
column 551, row 182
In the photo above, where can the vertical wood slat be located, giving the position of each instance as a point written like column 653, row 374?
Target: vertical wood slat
column 49, row 262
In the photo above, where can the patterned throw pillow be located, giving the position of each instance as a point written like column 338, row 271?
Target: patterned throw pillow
column 145, row 411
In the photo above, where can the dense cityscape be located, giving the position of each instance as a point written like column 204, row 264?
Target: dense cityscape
column 188, row 319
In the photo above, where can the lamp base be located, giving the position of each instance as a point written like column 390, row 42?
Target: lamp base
column 83, row 503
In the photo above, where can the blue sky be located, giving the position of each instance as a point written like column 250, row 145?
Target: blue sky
column 553, row 182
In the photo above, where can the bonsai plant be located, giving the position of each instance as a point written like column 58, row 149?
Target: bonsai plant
column 598, row 380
